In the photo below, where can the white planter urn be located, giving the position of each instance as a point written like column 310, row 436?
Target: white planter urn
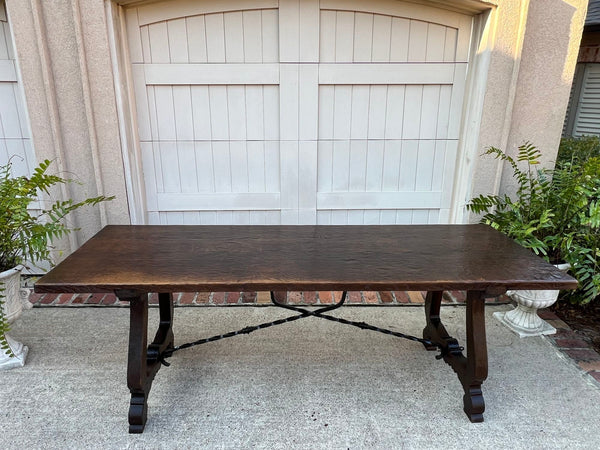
column 13, row 306
column 524, row 320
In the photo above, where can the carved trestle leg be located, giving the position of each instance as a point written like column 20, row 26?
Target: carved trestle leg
column 143, row 361
column 471, row 370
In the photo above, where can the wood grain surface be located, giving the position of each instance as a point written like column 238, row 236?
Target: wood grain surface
column 231, row 258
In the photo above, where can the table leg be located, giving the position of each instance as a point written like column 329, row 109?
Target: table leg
column 472, row 369
column 477, row 364
column 143, row 361
column 137, row 367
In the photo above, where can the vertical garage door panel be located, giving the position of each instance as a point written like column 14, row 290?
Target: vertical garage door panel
column 436, row 39
column 177, row 33
column 413, row 96
column 217, row 101
column 255, row 152
column 382, row 38
column 425, row 165
column 158, row 36
column 236, row 110
column 169, row 166
column 443, row 114
column 339, row 169
column 165, row 113
column 271, row 112
column 417, row 41
column 221, row 166
column 325, row 165
column 205, row 166
column 215, row 38
column 196, row 39
column 357, row 167
column 327, row 36
column 363, row 35
column 186, row 155
column 342, row 112
column 399, row 40
column 201, row 113
column 234, row 37
column 344, row 36
column 184, row 118
column 270, row 35
column 450, row 44
column 377, row 112
column 359, row 127
column 239, row 166
column 272, row 163
column 394, row 117
column 391, row 165
column 252, row 39
column 255, row 113
column 430, row 106
column 374, row 162
column 409, row 158
column 326, row 111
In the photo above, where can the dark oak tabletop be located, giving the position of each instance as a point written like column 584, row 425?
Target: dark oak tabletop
column 251, row 258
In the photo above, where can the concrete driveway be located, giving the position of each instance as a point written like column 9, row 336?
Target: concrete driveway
column 307, row 384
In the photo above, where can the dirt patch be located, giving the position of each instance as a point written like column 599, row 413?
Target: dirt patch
column 583, row 319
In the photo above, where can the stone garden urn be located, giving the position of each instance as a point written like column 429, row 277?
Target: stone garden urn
column 524, row 320
column 13, row 306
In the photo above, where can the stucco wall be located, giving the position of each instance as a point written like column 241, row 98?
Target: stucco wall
column 65, row 67
column 67, row 72
column 531, row 69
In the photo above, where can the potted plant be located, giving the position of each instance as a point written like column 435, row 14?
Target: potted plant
column 25, row 235
column 556, row 214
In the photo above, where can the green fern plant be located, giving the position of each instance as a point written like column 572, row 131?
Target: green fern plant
column 555, row 213
column 26, row 233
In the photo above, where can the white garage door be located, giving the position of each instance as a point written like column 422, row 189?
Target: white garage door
column 330, row 111
column 15, row 141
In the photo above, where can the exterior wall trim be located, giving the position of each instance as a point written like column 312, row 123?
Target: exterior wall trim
column 481, row 47
column 125, row 102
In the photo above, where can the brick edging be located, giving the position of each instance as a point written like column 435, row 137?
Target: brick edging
column 570, row 343
column 257, row 298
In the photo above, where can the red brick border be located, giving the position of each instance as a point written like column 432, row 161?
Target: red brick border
column 569, row 342
column 255, row 298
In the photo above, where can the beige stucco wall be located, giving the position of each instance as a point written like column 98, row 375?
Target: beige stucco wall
column 531, row 69
column 67, row 73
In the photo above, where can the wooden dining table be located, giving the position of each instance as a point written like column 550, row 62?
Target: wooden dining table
column 135, row 260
